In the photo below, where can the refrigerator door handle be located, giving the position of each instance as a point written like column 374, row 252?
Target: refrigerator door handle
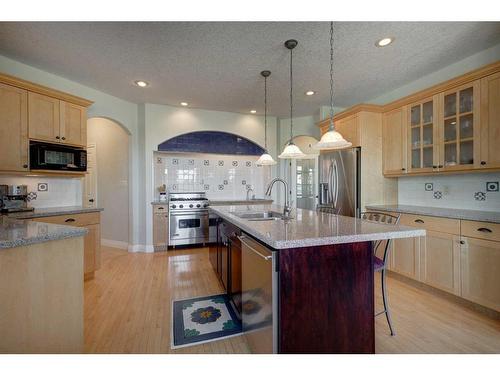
column 330, row 185
column 335, row 183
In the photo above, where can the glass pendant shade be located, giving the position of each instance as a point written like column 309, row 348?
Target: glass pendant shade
column 332, row 140
column 291, row 151
column 266, row 159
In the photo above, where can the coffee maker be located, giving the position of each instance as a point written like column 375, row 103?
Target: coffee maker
column 14, row 198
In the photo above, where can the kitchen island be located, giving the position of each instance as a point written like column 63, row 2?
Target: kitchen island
column 306, row 283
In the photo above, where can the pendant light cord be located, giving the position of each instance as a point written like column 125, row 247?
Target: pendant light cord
column 291, row 96
column 265, row 113
column 332, row 126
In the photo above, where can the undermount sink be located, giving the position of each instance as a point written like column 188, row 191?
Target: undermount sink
column 255, row 216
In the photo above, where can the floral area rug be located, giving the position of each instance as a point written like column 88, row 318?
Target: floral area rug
column 203, row 319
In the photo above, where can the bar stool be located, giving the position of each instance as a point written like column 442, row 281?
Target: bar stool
column 380, row 265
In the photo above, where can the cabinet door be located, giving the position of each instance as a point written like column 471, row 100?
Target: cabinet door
column 73, row 124
column 348, row 127
column 405, row 257
column 160, row 231
column 224, row 263
column 422, row 136
column 440, row 261
column 394, row 142
column 480, row 263
column 235, row 279
column 13, row 129
column 92, row 249
column 43, row 117
column 490, row 122
column 459, row 128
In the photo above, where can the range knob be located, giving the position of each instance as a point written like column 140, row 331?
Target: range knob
column 173, row 206
column 181, row 206
column 190, row 206
column 205, row 205
column 198, row 205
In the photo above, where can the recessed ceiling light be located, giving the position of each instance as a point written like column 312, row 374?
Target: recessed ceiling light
column 310, row 92
column 141, row 83
column 384, row 42
column 184, row 104
column 253, row 111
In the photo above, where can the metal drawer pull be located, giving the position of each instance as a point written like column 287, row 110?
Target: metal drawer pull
column 160, row 208
column 70, row 220
column 485, row 230
column 266, row 257
column 420, row 221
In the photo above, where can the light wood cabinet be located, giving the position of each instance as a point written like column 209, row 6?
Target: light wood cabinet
column 43, row 117
column 348, row 127
column 13, row 128
column 440, row 261
column 394, row 142
column 160, row 227
column 73, row 124
column 480, row 279
column 92, row 240
column 405, row 258
column 490, row 122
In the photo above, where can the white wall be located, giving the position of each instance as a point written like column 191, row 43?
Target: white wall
column 105, row 105
column 112, row 145
column 163, row 122
column 454, row 191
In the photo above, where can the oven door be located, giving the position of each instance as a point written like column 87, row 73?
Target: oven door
column 188, row 227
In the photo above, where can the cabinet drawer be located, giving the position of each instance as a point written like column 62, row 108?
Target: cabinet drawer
column 440, row 224
column 77, row 220
column 479, row 229
column 160, row 208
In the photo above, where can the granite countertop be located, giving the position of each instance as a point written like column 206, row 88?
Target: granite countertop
column 311, row 228
column 53, row 211
column 228, row 202
column 154, row 203
column 16, row 232
column 451, row 213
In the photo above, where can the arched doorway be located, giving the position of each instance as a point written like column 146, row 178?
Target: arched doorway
column 108, row 180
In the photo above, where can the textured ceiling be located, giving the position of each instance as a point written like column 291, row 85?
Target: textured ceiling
column 216, row 65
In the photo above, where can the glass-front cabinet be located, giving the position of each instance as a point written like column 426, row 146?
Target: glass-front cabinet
column 459, row 127
column 423, row 156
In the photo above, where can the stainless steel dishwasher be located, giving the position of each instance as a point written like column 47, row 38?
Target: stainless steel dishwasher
column 259, row 309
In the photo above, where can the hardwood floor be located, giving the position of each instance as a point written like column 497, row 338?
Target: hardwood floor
column 128, row 308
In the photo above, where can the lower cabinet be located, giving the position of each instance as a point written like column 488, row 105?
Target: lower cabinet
column 405, row 257
column 480, row 276
column 440, row 261
column 160, row 227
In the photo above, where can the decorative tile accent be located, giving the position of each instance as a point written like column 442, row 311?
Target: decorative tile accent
column 429, row 186
column 206, row 187
column 31, row 196
column 235, row 163
column 249, row 186
column 221, row 187
column 191, row 161
column 492, row 186
column 43, row 186
column 221, row 163
column 174, row 187
column 248, row 163
column 206, row 162
column 243, row 182
column 175, row 161
column 159, row 161
column 480, row 196
column 438, row 195
column 225, row 182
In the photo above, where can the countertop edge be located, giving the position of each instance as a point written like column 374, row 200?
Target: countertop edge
column 34, row 214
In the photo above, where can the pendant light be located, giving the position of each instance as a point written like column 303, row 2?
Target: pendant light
column 332, row 139
column 291, row 151
column 265, row 158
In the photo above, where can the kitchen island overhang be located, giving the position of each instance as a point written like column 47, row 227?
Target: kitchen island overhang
column 324, row 288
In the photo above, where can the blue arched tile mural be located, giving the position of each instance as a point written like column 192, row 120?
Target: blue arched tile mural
column 211, row 142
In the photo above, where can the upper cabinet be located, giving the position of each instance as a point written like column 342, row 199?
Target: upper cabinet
column 13, row 129
column 394, row 132
column 55, row 120
column 32, row 112
column 490, row 122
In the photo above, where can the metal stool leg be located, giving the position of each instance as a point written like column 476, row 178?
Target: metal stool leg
column 386, row 303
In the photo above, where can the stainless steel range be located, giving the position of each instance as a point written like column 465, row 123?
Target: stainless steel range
column 190, row 223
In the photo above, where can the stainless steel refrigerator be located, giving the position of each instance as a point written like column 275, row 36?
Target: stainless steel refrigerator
column 339, row 182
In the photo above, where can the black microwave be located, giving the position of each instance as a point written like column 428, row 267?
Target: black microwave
column 57, row 157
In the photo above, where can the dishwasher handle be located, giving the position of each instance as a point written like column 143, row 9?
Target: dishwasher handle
column 265, row 257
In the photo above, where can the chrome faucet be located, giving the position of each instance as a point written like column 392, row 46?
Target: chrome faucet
column 287, row 210
column 248, row 193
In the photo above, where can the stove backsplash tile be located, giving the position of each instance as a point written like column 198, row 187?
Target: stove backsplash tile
column 220, row 176
column 462, row 191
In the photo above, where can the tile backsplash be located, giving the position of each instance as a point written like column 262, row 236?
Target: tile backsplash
column 48, row 191
column 220, row 176
column 474, row 191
